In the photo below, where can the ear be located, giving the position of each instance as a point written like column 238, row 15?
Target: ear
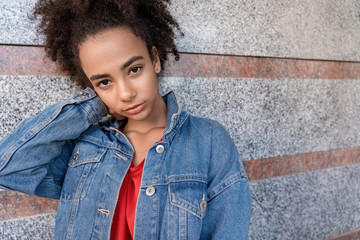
column 156, row 59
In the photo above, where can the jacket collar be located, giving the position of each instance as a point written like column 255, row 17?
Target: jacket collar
column 176, row 116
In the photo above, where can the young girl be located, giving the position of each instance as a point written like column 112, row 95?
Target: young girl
column 124, row 161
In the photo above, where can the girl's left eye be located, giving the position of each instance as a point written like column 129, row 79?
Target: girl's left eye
column 103, row 83
column 135, row 70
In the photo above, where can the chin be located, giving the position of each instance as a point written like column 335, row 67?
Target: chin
column 137, row 117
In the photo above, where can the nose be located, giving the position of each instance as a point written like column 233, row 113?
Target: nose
column 125, row 90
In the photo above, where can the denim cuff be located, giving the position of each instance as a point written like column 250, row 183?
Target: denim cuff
column 92, row 104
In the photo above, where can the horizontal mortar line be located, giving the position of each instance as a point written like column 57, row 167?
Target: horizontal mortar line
column 264, row 168
column 20, row 218
column 25, row 60
column 270, row 57
column 21, row 45
column 34, row 45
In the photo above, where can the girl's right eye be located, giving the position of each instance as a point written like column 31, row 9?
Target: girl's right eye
column 103, row 83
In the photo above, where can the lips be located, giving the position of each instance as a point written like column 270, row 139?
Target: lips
column 135, row 109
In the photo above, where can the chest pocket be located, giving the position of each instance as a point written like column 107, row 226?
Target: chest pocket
column 82, row 167
column 190, row 196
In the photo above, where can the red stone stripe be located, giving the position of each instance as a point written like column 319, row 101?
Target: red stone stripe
column 18, row 60
column 15, row 60
column 285, row 165
column 353, row 235
column 261, row 67
column 17, row 205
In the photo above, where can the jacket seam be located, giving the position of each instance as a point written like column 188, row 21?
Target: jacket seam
column 108, row 146
column 168, row 182
column 87, row 113
column 34, row 131
column 28, row 135
column 225, row 185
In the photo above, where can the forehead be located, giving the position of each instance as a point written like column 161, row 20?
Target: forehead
column 110, row 44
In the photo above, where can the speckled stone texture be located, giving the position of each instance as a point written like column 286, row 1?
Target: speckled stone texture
column 24, row 96
column 15, row 25
column 281, row 117
column 323, row 29
column 35, row 228
column 313, row 205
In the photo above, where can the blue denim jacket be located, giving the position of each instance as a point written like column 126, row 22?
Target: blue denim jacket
column 193, row 186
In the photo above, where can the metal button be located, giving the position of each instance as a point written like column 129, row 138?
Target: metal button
column 150, row 191
column 85, row 94
column 203, row 204
column 76, row 155
column 160, row 148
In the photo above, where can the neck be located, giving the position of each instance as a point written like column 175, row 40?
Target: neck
column 156, row 119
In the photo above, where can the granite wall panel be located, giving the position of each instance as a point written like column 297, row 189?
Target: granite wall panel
column 24, row 96
column 15, row 26
column 322, row 29
column 313, row 205
column 309, row 29
column 278, row 117
column 36, row 228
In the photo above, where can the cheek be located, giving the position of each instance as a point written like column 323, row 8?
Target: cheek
column 152, row 85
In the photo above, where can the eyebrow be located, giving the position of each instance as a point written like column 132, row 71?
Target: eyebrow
column 127, row 64
column 130, row 61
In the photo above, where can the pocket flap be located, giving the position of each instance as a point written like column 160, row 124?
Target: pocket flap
column 190, row 196
column 86, row 152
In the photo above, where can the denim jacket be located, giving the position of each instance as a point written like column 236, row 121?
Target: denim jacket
column 193, row 186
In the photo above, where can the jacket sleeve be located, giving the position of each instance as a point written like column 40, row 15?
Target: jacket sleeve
column 228, row 208
column 33, row 158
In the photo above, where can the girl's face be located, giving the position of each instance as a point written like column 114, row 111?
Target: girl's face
column 122, row 72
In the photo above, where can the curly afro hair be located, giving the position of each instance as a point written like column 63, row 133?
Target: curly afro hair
column 67, row 23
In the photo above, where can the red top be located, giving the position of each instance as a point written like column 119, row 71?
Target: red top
column 124, row 216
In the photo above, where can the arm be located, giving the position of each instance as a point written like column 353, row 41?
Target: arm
column 228, row 214
column 228, row 207
column 33, row 159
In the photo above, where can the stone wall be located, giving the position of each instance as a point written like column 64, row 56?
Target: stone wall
column 282, row 76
